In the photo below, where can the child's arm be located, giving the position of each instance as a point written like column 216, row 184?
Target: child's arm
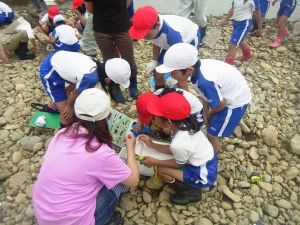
column 154, row 62
column 217, row 109
column 148, row 141
column 51, row 39
column 227, row 17
column 205, row 111
column 149, row 162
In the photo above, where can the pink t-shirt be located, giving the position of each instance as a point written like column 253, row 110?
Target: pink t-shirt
column 70, row 179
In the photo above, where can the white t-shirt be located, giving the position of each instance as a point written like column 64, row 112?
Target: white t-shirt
column 219, row 81
column 72, row 66
column 175, row 29
column 65, row 34
column 196, row 105
column 25, row 26
column 193, row 149
column 45, row 19
column 243, row 11
column 5, row 8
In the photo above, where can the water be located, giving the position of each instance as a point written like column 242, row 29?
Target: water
column 215, row 7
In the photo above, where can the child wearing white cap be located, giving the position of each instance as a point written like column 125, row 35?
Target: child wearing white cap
column 223, row 88
column 82, row 178
column 63, row 36
column 81, row 72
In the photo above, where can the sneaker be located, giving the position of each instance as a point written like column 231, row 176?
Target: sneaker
column 186, row 197
column 277, row 42
column 115, row 93
column 246, row 55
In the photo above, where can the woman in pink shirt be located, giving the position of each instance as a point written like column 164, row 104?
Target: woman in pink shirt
column 82, row 178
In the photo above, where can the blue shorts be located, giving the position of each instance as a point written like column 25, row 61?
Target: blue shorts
column 287, row 7
column 223, row 123
column 264, row 6
column 240, row 31
column 71, row 48
column 201, row 176
column 52, row 82
column 131, row 9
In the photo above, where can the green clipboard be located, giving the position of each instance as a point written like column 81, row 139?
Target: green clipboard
column 52, row 120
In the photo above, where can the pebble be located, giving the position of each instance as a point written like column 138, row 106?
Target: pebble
column 164, row 216
column 291, row 173
column 282, row 203
column 28, row 142
column 266, row 186
column 225, row 190
column 270, row 136
column 253, row 153
column 295, row 145
column 253, row 216
column 203, row 221
column 271, row 210
column 18, row 179
column 17, row 157
column 147, row 197
column 4, row 175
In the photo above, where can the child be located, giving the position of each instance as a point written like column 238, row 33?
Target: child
column 162, row 31
column 190, row 148
column 64, row 37
column 46, row 23
column 6, row 14
column 223, row 88
column 241, row 13
column 145, row 117
column 82, row 178
column 286, row 9
column 81, row 72
column 264, row 7
column 82, row 15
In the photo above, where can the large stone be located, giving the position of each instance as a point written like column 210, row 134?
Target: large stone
column 271, row 210
column 29, row 142
column 164, row 216
column 291, row 173
column 147, row 197
column 20, row 198
column 270, row 136
column 154, row 185
column 282, row 203
column 18, row 179
column 164, row 196
column 253, row 153
column 266, row 186
column 295, row 144
column 17, row 157
column 225, row 190
column 253, row 216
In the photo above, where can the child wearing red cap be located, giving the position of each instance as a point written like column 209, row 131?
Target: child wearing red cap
column 162, row 31
column 46, row 22
column 190, row 148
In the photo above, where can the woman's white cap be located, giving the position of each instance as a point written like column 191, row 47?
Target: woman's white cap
column 118, row 70
column 58, row 18
column 179, row 57
column 92, row 104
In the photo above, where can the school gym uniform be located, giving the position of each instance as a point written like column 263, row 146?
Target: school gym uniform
column 197, row 155
column 6, row 14
column 242, row 19
column 175, row 29
column 195, row 103
column 218, row 81
column 264, row 7
column 61, row 67
column 65, row 38
column 287, row 7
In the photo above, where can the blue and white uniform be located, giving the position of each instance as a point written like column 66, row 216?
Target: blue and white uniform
column 60, row 67
column 242, row 19
column 65, row 38
column 217, row 81
column 6, row 14
column 175, row 29
column 264, row 7
column 198, row 157
column 287, row 7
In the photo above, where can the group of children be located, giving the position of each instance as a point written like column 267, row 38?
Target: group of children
column 179, row 114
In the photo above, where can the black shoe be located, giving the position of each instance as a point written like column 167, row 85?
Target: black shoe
column 133, row 91
column 115, row 93
column 115, row 219
column 22, row 52
column 186, row 197
column 179, row 186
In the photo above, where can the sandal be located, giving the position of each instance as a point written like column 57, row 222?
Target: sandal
column 44, row 108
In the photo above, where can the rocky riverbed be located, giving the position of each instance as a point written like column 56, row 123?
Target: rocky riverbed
column 269, row 144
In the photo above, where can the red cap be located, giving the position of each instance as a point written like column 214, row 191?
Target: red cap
column 77, row 3
column 143, row 20
column 141, row 105
column 53, row 11
column 172, row 106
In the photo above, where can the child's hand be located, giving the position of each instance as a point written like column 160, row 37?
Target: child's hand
column 223, row 22
column 130, row 142
column 138, row 127
column 149, row 161
column 146, row 139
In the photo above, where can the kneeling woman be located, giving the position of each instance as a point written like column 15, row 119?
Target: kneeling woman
column 82, row 178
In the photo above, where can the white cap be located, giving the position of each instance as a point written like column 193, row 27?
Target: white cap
column 92, row 104
column 118, row 70
column 179, row 57
column 58, row 18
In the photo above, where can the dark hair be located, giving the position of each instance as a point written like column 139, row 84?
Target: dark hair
column 98, row 130
column 60, row 23
column 168, row 90
column 101, row 73
column 82, row 9
column 51, row 22
column 195, row 66
column 189, row 124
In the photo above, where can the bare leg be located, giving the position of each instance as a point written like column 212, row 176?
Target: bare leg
column 168, row 174
column 3, row 53
column 215, row 141
column 231, row 54
column 61, row 106
column 282, row 26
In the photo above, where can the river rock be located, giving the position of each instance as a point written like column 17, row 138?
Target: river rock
column 18, row 179
column 271, row 210
column 17, row 157
column 291, row 173
column 295, row 144
column 164, row 216
column 266, row 186
column 147, row 197
column 253, row 153
column 4, row 175
column 253, row 216
column 225, row 190
column 28, row 142
column 282, row 203
column 270, row 136
column 203, row 221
